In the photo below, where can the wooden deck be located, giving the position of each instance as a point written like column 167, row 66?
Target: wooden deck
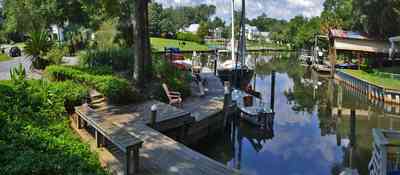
column 209, row 105
column 159, row 153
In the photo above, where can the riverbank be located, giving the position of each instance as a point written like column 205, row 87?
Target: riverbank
column 386, row 83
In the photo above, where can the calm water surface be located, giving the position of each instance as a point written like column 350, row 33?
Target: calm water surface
column 307, row 137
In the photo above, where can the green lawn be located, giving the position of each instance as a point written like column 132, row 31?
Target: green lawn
column 393, row 70
column 4, row 57
column 160, row 43
column 384, row 82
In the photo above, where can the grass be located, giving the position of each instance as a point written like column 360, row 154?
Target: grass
column 393, row 69
column 376, row 80
column 4, row 57
column 160, row 43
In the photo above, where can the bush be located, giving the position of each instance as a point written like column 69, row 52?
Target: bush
column 72, row 93
column 187, row 36
column 120, row 59
column 116, row 89
column 35, row 137
column 56, row 54
column 176, row 79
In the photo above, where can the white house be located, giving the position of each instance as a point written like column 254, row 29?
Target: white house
column 193, row 28
column 57, row 31
column 265, row 36
column 251, row 32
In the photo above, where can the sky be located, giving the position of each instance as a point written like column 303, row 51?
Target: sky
column 280, row 9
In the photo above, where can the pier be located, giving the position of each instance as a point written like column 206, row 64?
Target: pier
column 160, row 142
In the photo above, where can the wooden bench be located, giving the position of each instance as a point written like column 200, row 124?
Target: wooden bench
column 126, row 142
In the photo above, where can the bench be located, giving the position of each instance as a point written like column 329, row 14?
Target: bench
column 126, row 142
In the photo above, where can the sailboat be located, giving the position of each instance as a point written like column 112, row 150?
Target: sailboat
column 235, row 70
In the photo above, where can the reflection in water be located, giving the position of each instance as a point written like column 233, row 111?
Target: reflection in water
column 313, row 131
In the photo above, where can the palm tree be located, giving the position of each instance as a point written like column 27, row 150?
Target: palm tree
column 37, row 47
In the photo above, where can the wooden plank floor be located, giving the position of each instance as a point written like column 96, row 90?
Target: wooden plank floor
column 162, row 155
column 167, row 116
column 209, row 105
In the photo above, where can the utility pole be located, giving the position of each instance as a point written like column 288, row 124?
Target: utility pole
column 143, row 62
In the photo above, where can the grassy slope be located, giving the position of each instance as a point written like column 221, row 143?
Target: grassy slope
column 4, row 57
column 160, row 43
column 384, row 82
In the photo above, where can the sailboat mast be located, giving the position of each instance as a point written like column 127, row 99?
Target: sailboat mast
column 243, row 33
column 233, row 32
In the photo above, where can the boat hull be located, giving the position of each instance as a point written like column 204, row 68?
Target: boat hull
column 239, row 78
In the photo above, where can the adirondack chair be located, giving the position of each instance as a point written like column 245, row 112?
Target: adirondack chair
column 173, row 97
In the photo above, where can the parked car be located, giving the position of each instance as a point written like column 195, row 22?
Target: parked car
column 14, row 52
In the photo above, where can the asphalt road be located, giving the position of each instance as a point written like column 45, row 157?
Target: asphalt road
column 5, row 66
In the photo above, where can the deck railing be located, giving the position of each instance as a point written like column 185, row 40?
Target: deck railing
column 386, row 156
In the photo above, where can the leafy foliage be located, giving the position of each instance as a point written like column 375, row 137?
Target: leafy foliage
column 56, row 54
column 35, row 137
column 119, row 59
column 187, row 36
column 37, row 47
column 176, row 79
column 116, row 89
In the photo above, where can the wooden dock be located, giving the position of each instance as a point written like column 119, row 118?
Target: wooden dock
column 160, row 154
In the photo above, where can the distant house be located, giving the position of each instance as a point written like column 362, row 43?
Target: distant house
column 265, row 36
column 251, row 32
column 57, row 32
column 193, row 28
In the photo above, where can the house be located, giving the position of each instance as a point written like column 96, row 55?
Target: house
column 57, row 32
column 252, row 32
column 193, row 28
column 265, row 36
column 358, row 44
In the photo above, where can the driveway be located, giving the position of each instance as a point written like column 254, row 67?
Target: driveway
column 5, row 66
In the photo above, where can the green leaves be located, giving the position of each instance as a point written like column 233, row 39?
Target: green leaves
column 35, row 137
column 37, row 47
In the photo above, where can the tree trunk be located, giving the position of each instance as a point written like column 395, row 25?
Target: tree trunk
column 143, row 62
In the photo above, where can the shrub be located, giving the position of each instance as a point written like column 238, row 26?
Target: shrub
column 176, row 79
column 37, row 47
column 35, row 137
column 56, row 54
column 120, row 59
column 187, row 36
column 116, row 89
column 72, row 93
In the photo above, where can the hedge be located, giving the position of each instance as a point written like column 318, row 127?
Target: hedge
column 116, row 89
column 35, row 137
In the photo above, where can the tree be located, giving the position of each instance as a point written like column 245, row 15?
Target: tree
column 143, row 61
column 377, row 18
column 203, row 30
column 155, row 18
column 337, row 14
column 217, row 22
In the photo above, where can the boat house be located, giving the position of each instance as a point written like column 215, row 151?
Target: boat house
column 357, row 44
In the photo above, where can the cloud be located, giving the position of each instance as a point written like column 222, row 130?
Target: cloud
column 281, row 9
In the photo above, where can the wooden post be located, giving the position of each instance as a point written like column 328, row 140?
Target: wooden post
column 353, row 127
column 99, row 139
column 273, row 79
column 78, row 122
column 132, row 160
column 143, row 62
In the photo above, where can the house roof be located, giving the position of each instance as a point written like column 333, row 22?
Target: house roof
column 335, row 33
column 357, row 41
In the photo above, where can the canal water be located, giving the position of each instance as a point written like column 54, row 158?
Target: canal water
column 308, row 136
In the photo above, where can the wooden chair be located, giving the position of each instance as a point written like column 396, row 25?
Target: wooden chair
column 173, row 97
